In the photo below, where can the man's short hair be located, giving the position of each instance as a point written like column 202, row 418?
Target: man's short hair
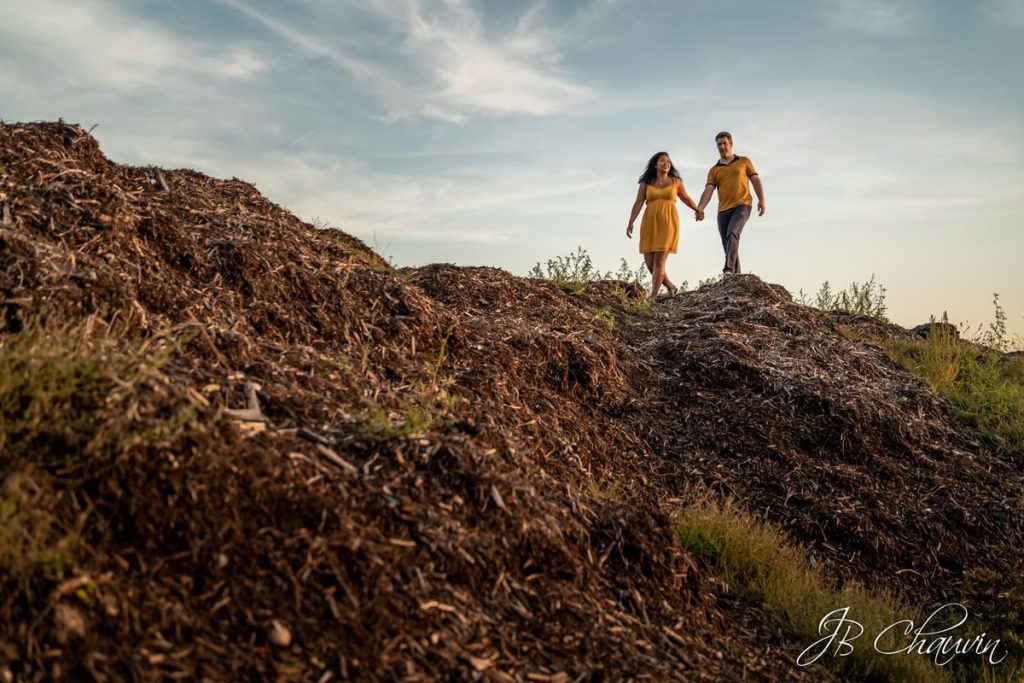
column 723, row 134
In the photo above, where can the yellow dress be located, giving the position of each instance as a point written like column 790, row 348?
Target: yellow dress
column 659, row 230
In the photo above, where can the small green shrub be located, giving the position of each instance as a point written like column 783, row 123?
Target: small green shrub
column 574, row 272
column 863, row 299
column 641, row 275
column 707, row 281
column 995, row 335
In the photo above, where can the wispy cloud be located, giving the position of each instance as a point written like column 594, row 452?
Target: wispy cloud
column 360, row 69
column 874, row 16
column 448, row 66
column 93, row 42
column 513, row 73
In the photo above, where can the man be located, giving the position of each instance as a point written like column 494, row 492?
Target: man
column 732, row 175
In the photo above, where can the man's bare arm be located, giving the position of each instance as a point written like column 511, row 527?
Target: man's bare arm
column 759, row 191
column 705, row 197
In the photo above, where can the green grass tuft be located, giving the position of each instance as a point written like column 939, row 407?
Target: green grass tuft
column 762, row 563
column 65, row 395
column 985, row 387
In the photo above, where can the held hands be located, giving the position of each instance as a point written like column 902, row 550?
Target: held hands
column 698, row 215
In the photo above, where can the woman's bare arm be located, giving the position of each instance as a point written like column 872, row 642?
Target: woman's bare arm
column 641, row 197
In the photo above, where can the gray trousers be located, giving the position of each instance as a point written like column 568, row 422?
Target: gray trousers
column 730, row 225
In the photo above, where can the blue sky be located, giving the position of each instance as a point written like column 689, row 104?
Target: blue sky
column 889, row 135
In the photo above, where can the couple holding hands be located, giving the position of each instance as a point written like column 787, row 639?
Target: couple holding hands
column 660, row 186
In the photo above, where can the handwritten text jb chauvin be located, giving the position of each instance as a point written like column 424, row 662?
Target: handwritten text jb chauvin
column 927, row 639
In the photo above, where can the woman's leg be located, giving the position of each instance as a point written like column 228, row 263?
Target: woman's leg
column 658, row 272
column 649, row 260
column 672, row 289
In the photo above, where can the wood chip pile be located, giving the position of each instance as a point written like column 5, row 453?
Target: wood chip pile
column 761, row 399
column 292, row 462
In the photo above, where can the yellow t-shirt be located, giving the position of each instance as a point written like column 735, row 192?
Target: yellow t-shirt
column 733, row 182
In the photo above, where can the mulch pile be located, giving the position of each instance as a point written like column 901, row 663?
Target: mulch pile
column 297, row 463
column 283, row 459
column 832, row 441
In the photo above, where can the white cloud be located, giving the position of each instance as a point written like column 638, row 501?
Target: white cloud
column 360, row 69
column 92, row 42
column 874, row 16
column 502, row 74
column 451, row 67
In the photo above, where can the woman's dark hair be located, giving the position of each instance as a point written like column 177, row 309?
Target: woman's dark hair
column 651, row 172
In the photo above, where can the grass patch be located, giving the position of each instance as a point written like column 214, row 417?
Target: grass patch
column 985, row 388
column 761, row 562
column 427, row 405
column 67, row 396
column 639, row 308
column 606, row 315
column 419, row 413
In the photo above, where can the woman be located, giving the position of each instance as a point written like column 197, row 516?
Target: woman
column 660, row 185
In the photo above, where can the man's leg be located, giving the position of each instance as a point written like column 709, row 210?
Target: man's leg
column 723, row 232
column 730, row 227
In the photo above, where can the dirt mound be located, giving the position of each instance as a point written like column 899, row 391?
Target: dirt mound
column 237, row 448
column 831, row 440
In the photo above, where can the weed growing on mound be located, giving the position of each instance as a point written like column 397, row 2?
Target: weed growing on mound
column 862, row 299
column 985, row 387
column 995, row 336
column 427, row 405
column 574, row 272
column 760, row 561
column 705, row 282
column 637, row 307
column 606, row 315
column 420, row 412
